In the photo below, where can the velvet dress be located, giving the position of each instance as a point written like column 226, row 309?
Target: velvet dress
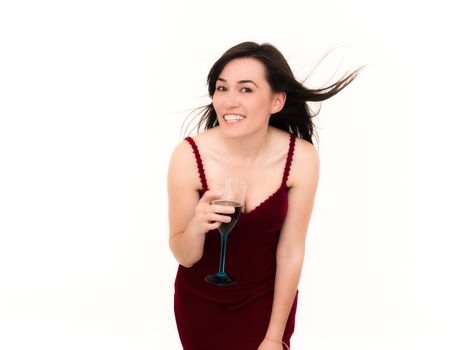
column 234, row 317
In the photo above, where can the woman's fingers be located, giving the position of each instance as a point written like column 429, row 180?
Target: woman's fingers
column 222, row 209
column 209, row 196
column 211, row 216
column 216, row 217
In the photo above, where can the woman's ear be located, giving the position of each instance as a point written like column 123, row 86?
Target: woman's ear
column 278, row 102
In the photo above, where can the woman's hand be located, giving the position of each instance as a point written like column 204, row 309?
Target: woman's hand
column 208, row 216
column 270, row 344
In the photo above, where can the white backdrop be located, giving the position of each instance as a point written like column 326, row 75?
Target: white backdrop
column 93, row 95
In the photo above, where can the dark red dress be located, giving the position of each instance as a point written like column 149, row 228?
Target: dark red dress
column 235, row 317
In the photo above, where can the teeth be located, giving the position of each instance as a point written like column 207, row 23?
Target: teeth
column 233, row 117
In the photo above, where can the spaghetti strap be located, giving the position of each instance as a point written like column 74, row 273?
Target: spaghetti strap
column 199, row 163
column 289, row 160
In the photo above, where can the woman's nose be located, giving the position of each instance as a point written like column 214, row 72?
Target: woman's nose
column 231, row 100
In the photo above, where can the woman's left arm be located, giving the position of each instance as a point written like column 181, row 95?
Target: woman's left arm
column 290, row 253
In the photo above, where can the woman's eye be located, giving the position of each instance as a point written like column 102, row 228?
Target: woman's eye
column 245, row 89
column 220, row 88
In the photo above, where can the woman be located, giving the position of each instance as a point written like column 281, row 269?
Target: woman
column 258, row 128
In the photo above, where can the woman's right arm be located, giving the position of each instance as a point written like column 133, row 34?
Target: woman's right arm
column 190, row 217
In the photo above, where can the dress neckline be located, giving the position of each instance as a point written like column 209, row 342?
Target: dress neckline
column 283, row 185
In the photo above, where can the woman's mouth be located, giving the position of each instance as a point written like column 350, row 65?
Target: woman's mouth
column 233, row 118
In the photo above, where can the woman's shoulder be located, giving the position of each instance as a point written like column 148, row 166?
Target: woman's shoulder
column 280, row 139
column 184, row 157
column 305, row 162
column 207, row 142
column 181, row 151
column 206, row 136
column 302, row 148
column 305, row 149
column 183, row 167
column 185, row 147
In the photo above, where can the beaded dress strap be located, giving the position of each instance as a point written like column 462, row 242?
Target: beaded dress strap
column 199, row 163
column 289, row 160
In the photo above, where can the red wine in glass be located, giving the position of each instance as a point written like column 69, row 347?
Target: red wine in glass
column 234, row 196
column 226, row 227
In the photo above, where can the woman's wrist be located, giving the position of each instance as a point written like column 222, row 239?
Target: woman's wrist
column 275, row 340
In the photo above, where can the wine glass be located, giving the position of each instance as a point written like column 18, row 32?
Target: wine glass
column 233, row 194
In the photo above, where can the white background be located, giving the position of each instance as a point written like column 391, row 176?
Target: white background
column 93, row 95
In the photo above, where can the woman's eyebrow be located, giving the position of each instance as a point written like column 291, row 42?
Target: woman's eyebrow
column 240, row 81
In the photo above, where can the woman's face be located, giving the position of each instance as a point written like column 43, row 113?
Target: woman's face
column 243, row 100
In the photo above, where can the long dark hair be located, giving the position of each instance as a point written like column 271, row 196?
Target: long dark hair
column 296, row 116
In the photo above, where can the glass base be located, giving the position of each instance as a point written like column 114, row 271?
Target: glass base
column 220, row 279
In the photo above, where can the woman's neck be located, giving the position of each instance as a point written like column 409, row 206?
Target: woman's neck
column 248, row 149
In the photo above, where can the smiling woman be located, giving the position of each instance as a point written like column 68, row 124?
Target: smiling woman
column 258, row 129
column 246, row 104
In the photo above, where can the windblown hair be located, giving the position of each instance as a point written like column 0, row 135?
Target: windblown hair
column 296, row 116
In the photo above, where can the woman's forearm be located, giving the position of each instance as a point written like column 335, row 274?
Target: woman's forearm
column 288, row 272
column 187, row 246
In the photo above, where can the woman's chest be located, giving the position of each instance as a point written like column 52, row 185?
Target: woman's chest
column 263, row 180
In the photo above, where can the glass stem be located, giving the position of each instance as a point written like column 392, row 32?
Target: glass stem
column 223, row 247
